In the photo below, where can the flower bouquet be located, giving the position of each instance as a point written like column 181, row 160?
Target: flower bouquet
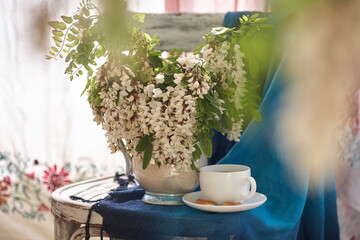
column 159, row 111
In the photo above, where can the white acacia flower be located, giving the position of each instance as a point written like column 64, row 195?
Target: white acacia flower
column 124, row 78
column 190, row 80
column 179, row 75
column 157, row 92
column 148, row 90
column 159, row 78
column 177, row 81
column 123, row 93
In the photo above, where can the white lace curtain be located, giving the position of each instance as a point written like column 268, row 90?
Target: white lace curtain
column 42, row 114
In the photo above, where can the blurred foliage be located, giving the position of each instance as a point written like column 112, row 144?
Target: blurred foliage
column 255, row 37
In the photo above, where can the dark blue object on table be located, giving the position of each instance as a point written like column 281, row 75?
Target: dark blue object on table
column 291, row 211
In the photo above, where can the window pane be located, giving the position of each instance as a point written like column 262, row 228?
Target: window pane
column 146, row 6
column 214, row 6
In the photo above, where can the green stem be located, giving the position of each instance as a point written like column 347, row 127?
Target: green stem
column 93, row 6
column 128, row 167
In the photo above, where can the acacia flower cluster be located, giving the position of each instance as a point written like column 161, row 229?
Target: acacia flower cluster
column 130, row 110
column 225, row 63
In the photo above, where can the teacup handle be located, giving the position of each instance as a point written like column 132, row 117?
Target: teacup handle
column 253, row 188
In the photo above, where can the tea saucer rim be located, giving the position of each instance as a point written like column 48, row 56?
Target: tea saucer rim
column 246, row 205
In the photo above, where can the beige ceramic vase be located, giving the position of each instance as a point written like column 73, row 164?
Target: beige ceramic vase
column 164, row 185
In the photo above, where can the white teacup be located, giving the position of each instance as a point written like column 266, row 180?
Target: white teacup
column 226, row 183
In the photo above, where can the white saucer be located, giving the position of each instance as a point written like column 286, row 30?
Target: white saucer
column 257, row 200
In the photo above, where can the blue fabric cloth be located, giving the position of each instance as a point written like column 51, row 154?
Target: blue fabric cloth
column 310, row 213
column 221, row 145
column 292, row 210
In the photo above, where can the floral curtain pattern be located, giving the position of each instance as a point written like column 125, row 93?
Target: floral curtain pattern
column 348, row 176
column 351, row 147
column 43, row 117
column 27, row 184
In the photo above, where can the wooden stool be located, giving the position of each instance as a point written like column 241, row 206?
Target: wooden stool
column 70, row 215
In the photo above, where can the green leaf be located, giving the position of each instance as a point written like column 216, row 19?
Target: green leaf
column 155, row 53
column 256, row 115
column 57, row 39
column 57, row 44
column 67, row 20
column 173, row 51
column 183, row 84
column 266, row 26
column 147, row 36
column 99, row 52
column 57, row 33
column 90, row 70
column 155, row 61
column 57, row 25
column 260, row 20
column 143, row 143
column 254, row 16
column 211, row 107
column 97, row 101
column 147, row 156
column 54, row 49
column 206, row 146
column 86, row 11
column 83, row 23
column 250, row 34
column 217, row 126
column 68, row 57
column 74, row 31
column 139, row 17
column 246, row 19
column 71, row 37
column 197, row 153
column 229, row 92
column 226, row 122
column 231, row 110
column 193, row 167
column 73, row 44
column 253, row 68
column 212, row 99
column 229, row 77
column 86, row 87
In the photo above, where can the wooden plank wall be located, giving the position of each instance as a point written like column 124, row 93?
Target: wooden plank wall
column 181, row 30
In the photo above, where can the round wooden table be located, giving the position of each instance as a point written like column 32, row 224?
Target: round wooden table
column 70, row 215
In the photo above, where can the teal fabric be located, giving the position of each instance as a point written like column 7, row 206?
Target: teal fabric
column 312, row 214
column 292, row 211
